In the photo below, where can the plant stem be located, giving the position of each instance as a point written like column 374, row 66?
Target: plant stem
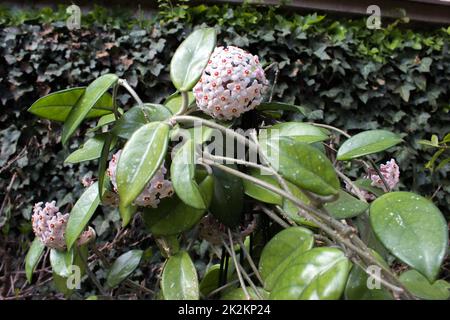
column 184, row 103
column 238, row 271
column 377, row 170
column 310, row 213
column 114, row 98
column 331, row 128
column 133, row 93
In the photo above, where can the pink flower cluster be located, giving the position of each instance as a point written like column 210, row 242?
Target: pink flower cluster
column 390, row 172
column 49, row 225
column 156, row 189
column 232, row 83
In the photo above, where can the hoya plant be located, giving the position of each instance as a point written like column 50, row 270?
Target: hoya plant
column 273, row 200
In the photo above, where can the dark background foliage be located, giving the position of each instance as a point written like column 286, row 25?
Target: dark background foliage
column 347, row 75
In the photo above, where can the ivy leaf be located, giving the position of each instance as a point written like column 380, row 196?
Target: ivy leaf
column 301, row 164
column 317, row 274
column 366, row 143
column 123, row 267
column 90, row 150
column 138, row 116
column 182, row 173
column 191, row 58
column 418, row 285
column 56, row 106
column 346, row 206
column 279, row 252
column 81, row 213
column 85, row 103
column 34, row 254
column 174, row 216
column 179, row 278
column 413, row 229
column 141, row 157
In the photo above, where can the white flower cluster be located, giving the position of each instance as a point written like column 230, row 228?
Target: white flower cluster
column 232, row 83
column 49, row 225
column 156, row 189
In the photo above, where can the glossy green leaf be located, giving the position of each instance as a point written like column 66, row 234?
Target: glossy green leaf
column 61, row 262
column 280, row 250
column 174, row 102
column 138, row 116
column 85, row 103
column 367, row 142
column 141, row 157
column 276, row 106
column 123, row 267
column 418, row 285
column 179, row 278
column 191, row 58
column 228, row 200
column 317, row 274
column 239, row 294
column 34, row 254
column 357, row 285
column 56, row 106
column 301, row 164
column 182, row 173
column 105, row 120
column 259, row 193
column 292, row 210
column 413, row 229
column 174, row 216
column 346, row 206
column 81, row 213
column 90, row 150
column 303, row 132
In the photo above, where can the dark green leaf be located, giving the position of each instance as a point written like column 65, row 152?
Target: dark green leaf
column 418, row 285
column 81, row 213
column 228, row 199
column 85, row 103
column 346, row 206
column 182, row 173
column 173, row 216
column 317, row 274
column 56, row 106
column 367, row 142
column 191, row 58
column 90, row 150
column 34, row 254
column 179, row 278
column 280, row 250
column 239, row 294
column 141, row 157
column 301, row 164
column 259, row 193
column 137, row 116
column 123, row 267
column 303, row 132
column 413, row 229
